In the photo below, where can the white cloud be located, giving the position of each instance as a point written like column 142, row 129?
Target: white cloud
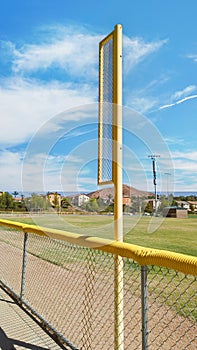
column 182, row 93
column 135, row 50
column 193, row 57
column 190, row 155
column 142, row 99
column 174, row 140
column 141, row 104
column 178, row 102
column 68, row 48
column 75, row 50
column 42, row 173
column 182, row 96
column 10, row 163
column 26, row 105
column 185, row 166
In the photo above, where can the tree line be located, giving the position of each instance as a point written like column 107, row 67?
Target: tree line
column 10, row 203
column 37, row 202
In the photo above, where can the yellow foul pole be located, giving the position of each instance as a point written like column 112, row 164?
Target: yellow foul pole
column 117, row 180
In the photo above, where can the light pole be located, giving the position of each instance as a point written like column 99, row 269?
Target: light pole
column 153, row 156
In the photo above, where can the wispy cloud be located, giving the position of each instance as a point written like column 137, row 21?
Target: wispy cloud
column 178, row 102
column 136, row 49
column 145, row 100
column 10, row 163
column 182, row 93
column 189, row 155
column 30, row 101
column 28, row 104
column 193, row 57
column 141, row 104
column 174, row 140
column 181, row 96
column 185, row 166
column 75, row 52
column 29, row 98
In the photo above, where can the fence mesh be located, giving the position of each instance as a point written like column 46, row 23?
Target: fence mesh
column 106, row 84
column 72, row 287
column 172, row 309
column 11, row 257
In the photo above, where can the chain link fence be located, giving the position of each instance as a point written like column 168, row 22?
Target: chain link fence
column 70, row 287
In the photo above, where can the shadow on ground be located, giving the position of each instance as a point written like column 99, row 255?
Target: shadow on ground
column 8, row 343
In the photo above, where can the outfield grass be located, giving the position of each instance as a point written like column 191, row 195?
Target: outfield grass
column 177, row 235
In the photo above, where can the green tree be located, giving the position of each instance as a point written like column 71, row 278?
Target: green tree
column 191, row 207
column 148, row 208
column 164, row 202
column 6, row 201
column 100, row 203
column 92, row 205
column 36, row 203
column 15, row 193
column 20, row 205
column 65, row 203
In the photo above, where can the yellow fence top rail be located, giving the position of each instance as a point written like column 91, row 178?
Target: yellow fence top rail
column 144, row 256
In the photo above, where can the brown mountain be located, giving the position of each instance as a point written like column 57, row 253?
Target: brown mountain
column 127, row 191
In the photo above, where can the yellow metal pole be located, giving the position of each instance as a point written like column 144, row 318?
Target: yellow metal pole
column 117, row 180
column 100, row 129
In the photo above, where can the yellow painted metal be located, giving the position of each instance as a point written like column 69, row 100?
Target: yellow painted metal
column 100, row 124
column 117, row 180
column 117, row 133
column 118, row 303
column 143, row 256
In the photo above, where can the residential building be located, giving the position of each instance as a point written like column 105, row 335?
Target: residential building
column 126, row 201
column 183, row 204
column 80, row 199
column 193, row 204
column 175, row 212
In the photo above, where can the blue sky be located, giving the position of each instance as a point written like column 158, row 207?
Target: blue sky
column 49, row 92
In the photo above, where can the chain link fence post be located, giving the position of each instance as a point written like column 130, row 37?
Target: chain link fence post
column 144, row 305
column 23, row 266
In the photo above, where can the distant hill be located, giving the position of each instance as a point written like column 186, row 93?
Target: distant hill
column 127, row 191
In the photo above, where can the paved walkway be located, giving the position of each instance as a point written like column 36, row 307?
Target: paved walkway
column 18, row 330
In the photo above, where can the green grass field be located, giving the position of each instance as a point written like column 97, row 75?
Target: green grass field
column 177, row 235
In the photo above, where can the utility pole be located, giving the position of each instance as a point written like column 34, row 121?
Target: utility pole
column 153, row 157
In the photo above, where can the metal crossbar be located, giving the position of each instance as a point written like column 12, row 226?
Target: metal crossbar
column 68, row 281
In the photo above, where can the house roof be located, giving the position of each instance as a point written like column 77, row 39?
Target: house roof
column 182, row 202
column 175, row 207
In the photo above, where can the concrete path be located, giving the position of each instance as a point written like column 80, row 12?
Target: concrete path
column 18, row 330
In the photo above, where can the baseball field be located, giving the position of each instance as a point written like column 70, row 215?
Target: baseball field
column 174, row 234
